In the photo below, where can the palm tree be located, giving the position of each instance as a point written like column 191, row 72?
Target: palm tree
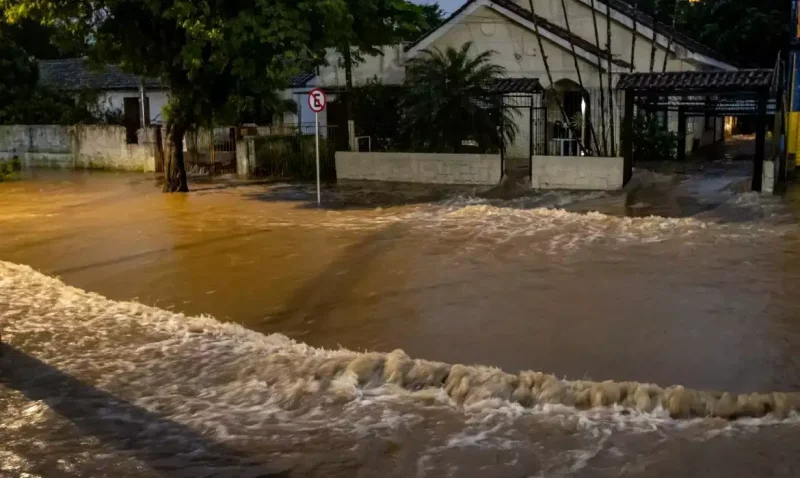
column 450, row 104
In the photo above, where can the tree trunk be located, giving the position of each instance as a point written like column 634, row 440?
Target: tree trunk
column 174, row 167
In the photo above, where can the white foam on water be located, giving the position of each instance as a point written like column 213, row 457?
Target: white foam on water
column 234, row 384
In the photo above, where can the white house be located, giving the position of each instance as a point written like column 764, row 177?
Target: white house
column 118, row 90
column 508, row 28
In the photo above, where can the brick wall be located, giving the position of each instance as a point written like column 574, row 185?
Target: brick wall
column 577, row 172
column 420, row 167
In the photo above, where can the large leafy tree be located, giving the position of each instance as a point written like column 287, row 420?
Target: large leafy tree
column 206, row 51
column 22, row 101
column 450, row 101
column 749, row 33
column 374, row 23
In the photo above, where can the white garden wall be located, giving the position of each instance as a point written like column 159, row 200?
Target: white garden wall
column 577, row 172
column 420, row 167
column 80, row 147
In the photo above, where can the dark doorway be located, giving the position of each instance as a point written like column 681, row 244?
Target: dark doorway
column 337, row 117
column 132, row 117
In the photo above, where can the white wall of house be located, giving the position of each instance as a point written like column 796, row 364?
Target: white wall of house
column 76, row 147
column 115, row 100
column 304, row 117
column 516, row 47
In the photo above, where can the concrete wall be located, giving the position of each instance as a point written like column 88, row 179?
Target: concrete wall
column 420, row 167
column 80, row 147
column 768, row 177
column 577, row 172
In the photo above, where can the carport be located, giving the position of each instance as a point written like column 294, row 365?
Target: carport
column 739, row 93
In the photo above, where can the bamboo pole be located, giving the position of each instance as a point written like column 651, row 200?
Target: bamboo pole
column 613, row 138
column 550, row 74
column 634, row 35
column 578, row 71
column 600, row 76
column 653, row 42
column 671, row 36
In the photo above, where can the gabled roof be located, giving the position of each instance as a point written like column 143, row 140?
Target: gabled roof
column 621, row 6
column 697, row 81
column 73, row 74
column 560, row 31
column 515, row 12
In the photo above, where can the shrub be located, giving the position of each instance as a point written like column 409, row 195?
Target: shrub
column 653, row 141
column 8, row 168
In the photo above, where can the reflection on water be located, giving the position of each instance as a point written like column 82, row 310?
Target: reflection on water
column 683, row 282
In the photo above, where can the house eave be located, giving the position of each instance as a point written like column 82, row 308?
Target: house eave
column 470, row 8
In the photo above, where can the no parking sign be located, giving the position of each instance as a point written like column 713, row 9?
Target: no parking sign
column 317, row 101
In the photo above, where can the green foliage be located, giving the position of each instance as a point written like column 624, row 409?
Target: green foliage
column 449, row 102
column 8, row 168
column 23, row 102
column 377, row 113
column 652, row 141
column 241, row 109
column 206, row 51
column 749, row 33
column 372, row 23
column 293, row 156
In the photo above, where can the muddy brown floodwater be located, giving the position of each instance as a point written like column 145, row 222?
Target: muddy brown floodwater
column 687, row 282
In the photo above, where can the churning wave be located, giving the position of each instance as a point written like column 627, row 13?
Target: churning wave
column 86, row 334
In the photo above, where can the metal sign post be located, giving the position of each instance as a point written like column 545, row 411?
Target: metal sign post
column 317, row 101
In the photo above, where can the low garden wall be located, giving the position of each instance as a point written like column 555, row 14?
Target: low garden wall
column 577, row 172
column 420, row 167
column 768, row 177
column 79, row 147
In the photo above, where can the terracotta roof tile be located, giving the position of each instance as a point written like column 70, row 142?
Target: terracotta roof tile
column 697, row 80
column 517, row 85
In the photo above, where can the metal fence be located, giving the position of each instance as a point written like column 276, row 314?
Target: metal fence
column 210, row 151
column 291, row 153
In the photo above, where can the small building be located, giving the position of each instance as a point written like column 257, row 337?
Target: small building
column 119, row 92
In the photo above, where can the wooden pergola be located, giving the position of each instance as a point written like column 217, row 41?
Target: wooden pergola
column 700, row 93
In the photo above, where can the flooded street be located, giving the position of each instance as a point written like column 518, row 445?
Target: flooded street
column 686, row 282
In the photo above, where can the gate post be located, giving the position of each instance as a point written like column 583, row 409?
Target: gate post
column 627, row 138
column 758, row 158
column 245, row 152
column 681, row 134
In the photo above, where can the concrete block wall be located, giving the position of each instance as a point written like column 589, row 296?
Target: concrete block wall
column 245, row 155
column 79, row 146
column 37, row 146
column 105, row 147
column 420, row 167
column 768, row 177
column 577, row 172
